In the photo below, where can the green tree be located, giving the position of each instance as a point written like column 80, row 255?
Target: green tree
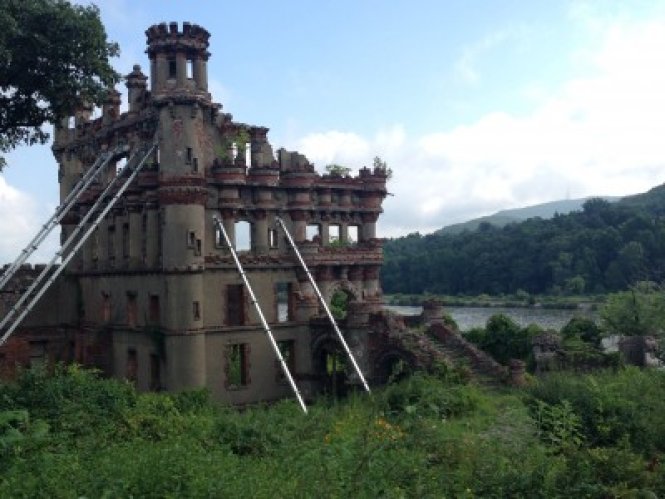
column 53, row 55
column 338, row 170
column 379, row 164
column 638, row 311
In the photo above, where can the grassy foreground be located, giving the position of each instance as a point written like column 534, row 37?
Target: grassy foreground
column 74, row 435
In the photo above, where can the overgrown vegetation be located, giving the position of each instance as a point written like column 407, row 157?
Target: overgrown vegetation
column 74, row 435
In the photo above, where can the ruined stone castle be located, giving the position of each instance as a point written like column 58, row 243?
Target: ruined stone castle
column 153, row 295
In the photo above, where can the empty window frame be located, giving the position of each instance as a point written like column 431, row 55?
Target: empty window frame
column 173, row 68
column 153, row 309
column 353, row 235
column 125, row 240
column 273, row 238
column 313, row 232
column 288, row 350
column 106, row 307
column 235, row 305
column 285, row 301
column 155, row 373
column 191, row 239
column 243, row 232
column 196, row 310
column 237, row 365
column 132, row 309
column 132, row 367
column 94, row 245
column 38, row 353
column 144, row 237
column 334, row 234
column 111, row 242
column 219, row 238
column 190, row 69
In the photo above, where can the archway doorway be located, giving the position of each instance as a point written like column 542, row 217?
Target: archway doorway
column 392, row 366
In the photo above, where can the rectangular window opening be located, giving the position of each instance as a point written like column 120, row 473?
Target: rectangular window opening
column 132, row 368
column 172, row 68
column 144, row 237
column 313, row 233
column 111, row 242
column 125, row 240
column 153, row 309
column 237, row 365
column 243, row 232
column 219, row 238
column 94, row 245
column 196, row 310
column 235, row 305
column 288, row 350
column 353, row 235
column 198, row 248
column 38, row 353
column 195, row 165
column 334, row 232
column 190, row 68
column 132, row 310
column 285, row 301
column 273, row 238
column 155, row 373
column 191, row 239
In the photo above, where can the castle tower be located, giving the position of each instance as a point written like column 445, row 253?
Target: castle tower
column 179, row 84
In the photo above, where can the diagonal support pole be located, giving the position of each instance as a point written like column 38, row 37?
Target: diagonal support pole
column 266, row 327
column 280, row 222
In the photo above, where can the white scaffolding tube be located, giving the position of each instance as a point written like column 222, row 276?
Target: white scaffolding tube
column 266, row 327
column 60, row 212
column 134, row 171
column 280, row 222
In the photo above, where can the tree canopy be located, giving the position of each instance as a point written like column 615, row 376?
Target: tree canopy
column 53, row 55
column 605, row 247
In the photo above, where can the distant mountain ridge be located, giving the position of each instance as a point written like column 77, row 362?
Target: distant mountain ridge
column 504, row 217
column 601, row 247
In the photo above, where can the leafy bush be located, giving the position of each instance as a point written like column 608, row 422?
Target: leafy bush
column 612, row 407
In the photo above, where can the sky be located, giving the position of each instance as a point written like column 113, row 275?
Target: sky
column 476, row 106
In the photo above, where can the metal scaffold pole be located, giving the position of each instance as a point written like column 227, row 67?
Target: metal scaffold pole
column 266, row 327
column 280, row 222
column 134, row 170
column 60, row 212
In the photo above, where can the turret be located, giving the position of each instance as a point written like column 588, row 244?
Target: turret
column 136, row 88
column 178, row 59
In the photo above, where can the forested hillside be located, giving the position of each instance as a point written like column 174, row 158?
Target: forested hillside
column 604, row 247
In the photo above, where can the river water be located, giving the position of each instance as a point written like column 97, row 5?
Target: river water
column 470, row 317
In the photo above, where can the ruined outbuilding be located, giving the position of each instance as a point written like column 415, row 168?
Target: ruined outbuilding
column 153, row 295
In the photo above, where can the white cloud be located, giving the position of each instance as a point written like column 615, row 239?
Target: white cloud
column 22, row 218
column 595, row 135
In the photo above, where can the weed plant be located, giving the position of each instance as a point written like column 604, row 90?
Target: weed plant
column 72, row 434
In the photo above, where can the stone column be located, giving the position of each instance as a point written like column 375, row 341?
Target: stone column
column 260, row 235
column 325, row 234
column 228, row 221
column 344, row 232
column 162, row 66
column 181, row 69
column 368, row 231
column 201, row 74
